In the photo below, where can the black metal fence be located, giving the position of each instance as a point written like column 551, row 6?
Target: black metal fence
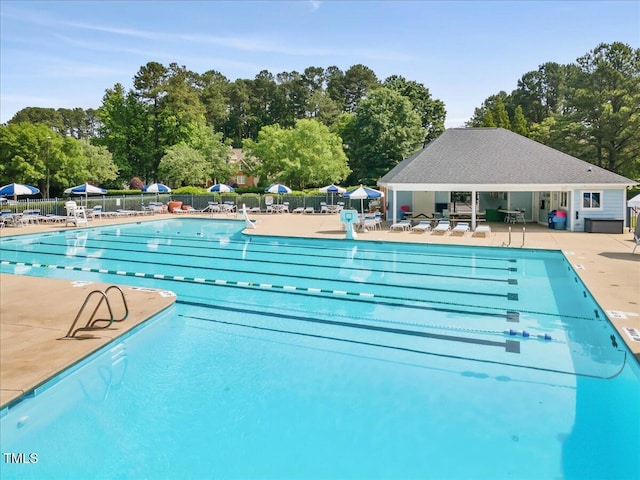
column 56, row 206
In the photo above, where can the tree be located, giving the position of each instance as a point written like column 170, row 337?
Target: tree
column 385, row 130
column 605, row 100
column 432, row 112
column 183, row 165
column 98, row 163
column 519, row 124
column 47, row 116
column 308, row 154
column 125, row 129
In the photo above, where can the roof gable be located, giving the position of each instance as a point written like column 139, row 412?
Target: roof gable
column 486, row 156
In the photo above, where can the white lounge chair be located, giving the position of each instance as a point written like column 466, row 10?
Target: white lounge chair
column 401, row 225
column 460, row 228
column 422, row 226
column 298, row 210
column 482, row 230
column 309, row 210
column 442, row 227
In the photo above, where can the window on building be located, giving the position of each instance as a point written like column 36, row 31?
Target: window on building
column 241, row 180
column 591, row 200
column 564, row 199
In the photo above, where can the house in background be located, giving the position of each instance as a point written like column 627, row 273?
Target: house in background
column 242, row 177
column 487, row 169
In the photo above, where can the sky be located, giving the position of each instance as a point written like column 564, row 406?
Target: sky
column 66, row 54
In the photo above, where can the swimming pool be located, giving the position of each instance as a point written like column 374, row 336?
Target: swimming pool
column 312, row 358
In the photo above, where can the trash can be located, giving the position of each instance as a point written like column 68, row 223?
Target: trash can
column 550, row 216
column 559, row 223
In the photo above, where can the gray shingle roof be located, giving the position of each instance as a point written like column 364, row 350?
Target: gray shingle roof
column 495, row 156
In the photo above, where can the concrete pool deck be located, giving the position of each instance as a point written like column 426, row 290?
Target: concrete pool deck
column 36, row 312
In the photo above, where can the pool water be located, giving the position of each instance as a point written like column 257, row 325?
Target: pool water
column 311, row 358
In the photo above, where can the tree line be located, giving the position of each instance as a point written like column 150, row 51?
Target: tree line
column 321, row 125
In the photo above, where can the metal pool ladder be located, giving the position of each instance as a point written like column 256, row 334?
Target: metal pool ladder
column 91, row 323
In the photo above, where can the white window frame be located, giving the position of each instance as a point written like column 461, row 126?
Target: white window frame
column 241, row 179
column 564, row 200
column 590, row 193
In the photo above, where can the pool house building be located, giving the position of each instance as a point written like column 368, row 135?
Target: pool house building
column 489, row 171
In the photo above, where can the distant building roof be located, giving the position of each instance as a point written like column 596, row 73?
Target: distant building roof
column 486, row 157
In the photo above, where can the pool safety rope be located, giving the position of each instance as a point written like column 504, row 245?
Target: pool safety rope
column 287, row 288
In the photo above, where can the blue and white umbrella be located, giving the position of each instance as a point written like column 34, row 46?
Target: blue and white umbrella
column 361, row 193
column 16, row 189
column 156, row 188
column 332, row 189
column 277, row 188
column 85, row 189
column 221, row 188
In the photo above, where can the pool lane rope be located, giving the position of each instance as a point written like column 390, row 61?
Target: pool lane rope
column 265, row 286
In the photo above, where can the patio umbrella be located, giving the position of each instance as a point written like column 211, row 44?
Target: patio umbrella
column 85, row 189
column 156, row 188
column 16, row 189
column 632, row 202
column 221, row 188
column 361, row 193
column 277, row 188
column 332, row 189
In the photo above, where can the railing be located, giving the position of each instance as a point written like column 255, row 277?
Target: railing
column 91, row 323
column 55, row 206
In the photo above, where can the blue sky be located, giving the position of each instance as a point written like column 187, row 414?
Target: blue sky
column 66, row 54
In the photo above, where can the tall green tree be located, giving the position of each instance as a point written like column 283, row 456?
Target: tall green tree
column 385, row 130
column 308, row 154
column 432, row 112
column 183, row 165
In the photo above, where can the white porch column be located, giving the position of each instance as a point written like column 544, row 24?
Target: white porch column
column 394, row 217
column 473, row 210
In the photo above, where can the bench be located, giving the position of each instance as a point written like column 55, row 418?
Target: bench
column 603, row 225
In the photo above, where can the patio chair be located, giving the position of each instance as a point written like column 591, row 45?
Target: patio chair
column 309, row 210
column 481, row 230
column 442, row 227
column 96, row 211
column 422, row 226
column 401, row 225
column 461, row 228
column 298, row 210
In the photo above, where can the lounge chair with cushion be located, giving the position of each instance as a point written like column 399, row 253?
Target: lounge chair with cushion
column 442, row 227
column 422, row 226
column 401, row 225
column 298, row 210
column 482, row 230
column 461, row 228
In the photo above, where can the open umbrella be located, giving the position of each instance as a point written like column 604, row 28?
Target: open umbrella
column 361, row 193
column 277, row 188
column 221, row 188
column 156, row 188
column 332, row 189
column 632, row 202
column 85, row 189
column 16, row 189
